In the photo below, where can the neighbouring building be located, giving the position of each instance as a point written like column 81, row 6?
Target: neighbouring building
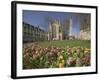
column 32, row 33
column 85, row 30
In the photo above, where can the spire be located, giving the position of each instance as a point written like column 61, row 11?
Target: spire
column 70, row 27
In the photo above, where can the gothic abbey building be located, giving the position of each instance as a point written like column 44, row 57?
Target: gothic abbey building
column 60, row 32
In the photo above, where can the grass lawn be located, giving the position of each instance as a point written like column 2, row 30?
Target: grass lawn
column 65, row 43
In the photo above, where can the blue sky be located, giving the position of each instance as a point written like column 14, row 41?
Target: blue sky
column 39, row 18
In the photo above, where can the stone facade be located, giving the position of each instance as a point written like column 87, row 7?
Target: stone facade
column 60, row 32
column 85, row 35
column 85, row 32
column 32, row 33
column 55, row 31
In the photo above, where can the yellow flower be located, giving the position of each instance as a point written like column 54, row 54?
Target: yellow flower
column 60, row 57
column 63, row 61
column 85, row 51
column 61, row 65
column 88, row 49
column 62, row 51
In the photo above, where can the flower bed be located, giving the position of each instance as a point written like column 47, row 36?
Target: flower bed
column 35, row 56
